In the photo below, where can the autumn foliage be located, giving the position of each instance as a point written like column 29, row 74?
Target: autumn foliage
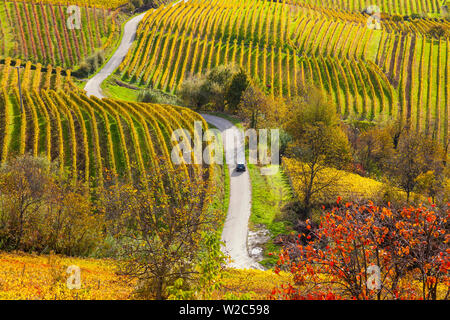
column 25, row 276
column 337, row 259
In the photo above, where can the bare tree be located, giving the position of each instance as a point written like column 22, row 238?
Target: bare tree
column 315, row 152
column 416, row 154
column 164, row 223
column 23, row 190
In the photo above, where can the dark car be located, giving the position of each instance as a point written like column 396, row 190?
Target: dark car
column 240, row 167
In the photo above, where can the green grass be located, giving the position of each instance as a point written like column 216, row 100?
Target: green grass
column 221, row 199
column 270, row 194
column 372, row 46
column 114, row 91
column 78, row 83
column 15, row 134
column 118, row 152
column 222, row 180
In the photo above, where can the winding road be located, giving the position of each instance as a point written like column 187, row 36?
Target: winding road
column 235, row 230
column 93, row 87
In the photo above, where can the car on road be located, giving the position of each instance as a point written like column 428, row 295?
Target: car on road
column 240, row 167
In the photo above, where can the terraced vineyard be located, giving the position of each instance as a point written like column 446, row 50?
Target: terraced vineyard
column 118, row 193
column 39, row 32
column 92, row 137
column 403, row 7
column 111, row 4
column 89, row 137
column 368, row 73
column 108, row 4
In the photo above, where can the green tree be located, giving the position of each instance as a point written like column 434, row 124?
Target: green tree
column 239, row 83
column 253, row 106
column 319, row 142
column 192, row 94
column 210, row 90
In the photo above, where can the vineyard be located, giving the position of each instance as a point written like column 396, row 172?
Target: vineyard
column 399, row 70
column 39, row 32
column 90, row 136
column 402, row 7
column 109, row 4
column 93, row 112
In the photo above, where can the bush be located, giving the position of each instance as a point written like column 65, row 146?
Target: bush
column 90, row 65
column 239, row 83
column 438, row 32
column 221, row 87
column 156, row 96
column 396, row 18
column 416, row 16
column 83, row 71
column 192, row 94
column 130, row 7
column 41, row 211
column 147, row 96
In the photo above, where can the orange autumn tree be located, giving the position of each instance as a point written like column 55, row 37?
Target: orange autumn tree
column 370, row 252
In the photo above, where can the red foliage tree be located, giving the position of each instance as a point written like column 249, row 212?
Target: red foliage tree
column 342, row 257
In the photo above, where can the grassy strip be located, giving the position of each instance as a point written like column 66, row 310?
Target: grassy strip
column 114, row 91
column 270, row 193
column 222, row 184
